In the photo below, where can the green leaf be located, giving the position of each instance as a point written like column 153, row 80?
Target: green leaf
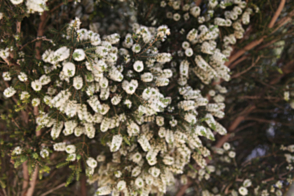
column 192, row 168
column 2, row 184
column 126, row 140
column 280, row 70
column 213, row 126
column 62, row 164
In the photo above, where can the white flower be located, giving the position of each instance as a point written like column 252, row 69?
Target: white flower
column 116, row 99
column 36, row 6
column 136, row 48
column 116, row 143
column 154, row 172
column 6, row 76
column 36, row 85
column 61, row 54
column 9, row 92
column 136, row 171
column 232, row 154
column 16, row 2
column 128, row 103
column 247, row 183
column 243, row 190
column 91, row 162
column 279, row 184
column 121, row 185
column 279, row 193
column 162, row 3
column 89, row 171
column 138, row 66
column 226, row 146
column 17, row 150
column 95, row 39
column 44, row 153
column 78, row 55
column 24, row 95
column 130, row 87
column 78, row 82
column 105, row 190
column 189, row 52
column 71, row 157
column 137, row 157
column 4, row 53
column 286, row 95
column 1, row 15
column 147, row 77
column 139, row 182
column 234, row 193
column 45, row 79
column 117, row 174
column 185, row 45
column 70, row 149
column 69, row 69
column 176, row 17
column 59, row 146
column 101, row 158
column 22, row 77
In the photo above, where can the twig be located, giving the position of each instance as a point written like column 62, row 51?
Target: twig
column 239, row 74
column 5, row 194
column 257, row 42
column 234, row 125
column 198, row 2
column 26, row 180
column 30, row 191
column 277, row 14
column 238, row 61
column 56, row 7
column 257, row 97
column 83, row 186
column 184, row 188
column 40, row 33
column 50, row 191
column 245, row 49
column 38, row 45
column 38, row 38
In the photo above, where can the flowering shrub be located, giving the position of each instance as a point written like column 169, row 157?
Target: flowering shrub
column 130, row 112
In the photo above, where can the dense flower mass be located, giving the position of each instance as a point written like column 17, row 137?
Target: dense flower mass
column 104, row 89
column 146, row 104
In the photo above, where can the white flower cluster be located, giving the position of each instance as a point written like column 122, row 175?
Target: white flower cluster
column 121, row 95
column 33, row 5
column 205, row 36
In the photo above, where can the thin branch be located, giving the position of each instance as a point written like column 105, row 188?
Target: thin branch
column 234, row 125
column 30, row 191
column 277, row 14
column 183, row 189
column 37, row 39
column 40, row 33
column 245, row 49
column 257, row 42
column 83, row 186
column 238, row 61
column 38, row 45
column 50, row 191
column 258, row 97
column 4, row 192
column 239, row 74
column 198, row 2
column 26, row 179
